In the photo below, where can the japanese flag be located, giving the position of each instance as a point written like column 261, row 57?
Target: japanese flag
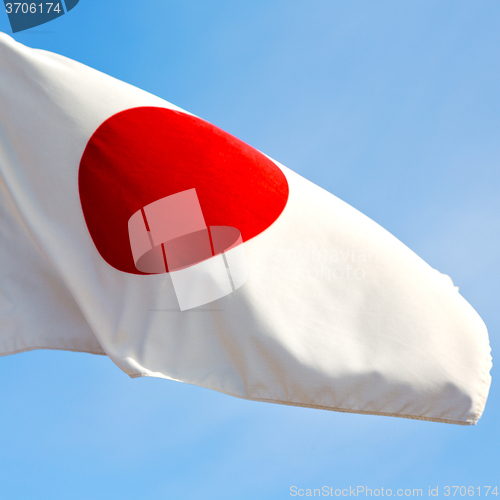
column 132, row 228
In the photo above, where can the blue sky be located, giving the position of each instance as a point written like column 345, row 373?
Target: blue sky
column 394, row 107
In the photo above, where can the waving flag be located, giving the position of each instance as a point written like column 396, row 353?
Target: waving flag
column 132, row 228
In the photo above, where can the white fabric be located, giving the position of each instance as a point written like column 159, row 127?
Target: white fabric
column 336, row 313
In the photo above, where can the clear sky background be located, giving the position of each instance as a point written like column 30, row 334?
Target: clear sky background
column 393, row 106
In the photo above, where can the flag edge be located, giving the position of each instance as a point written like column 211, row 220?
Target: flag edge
column 316, row 407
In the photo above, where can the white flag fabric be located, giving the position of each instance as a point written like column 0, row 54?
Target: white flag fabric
column 134, row 229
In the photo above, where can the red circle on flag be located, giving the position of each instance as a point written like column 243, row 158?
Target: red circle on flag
column 143, row 154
